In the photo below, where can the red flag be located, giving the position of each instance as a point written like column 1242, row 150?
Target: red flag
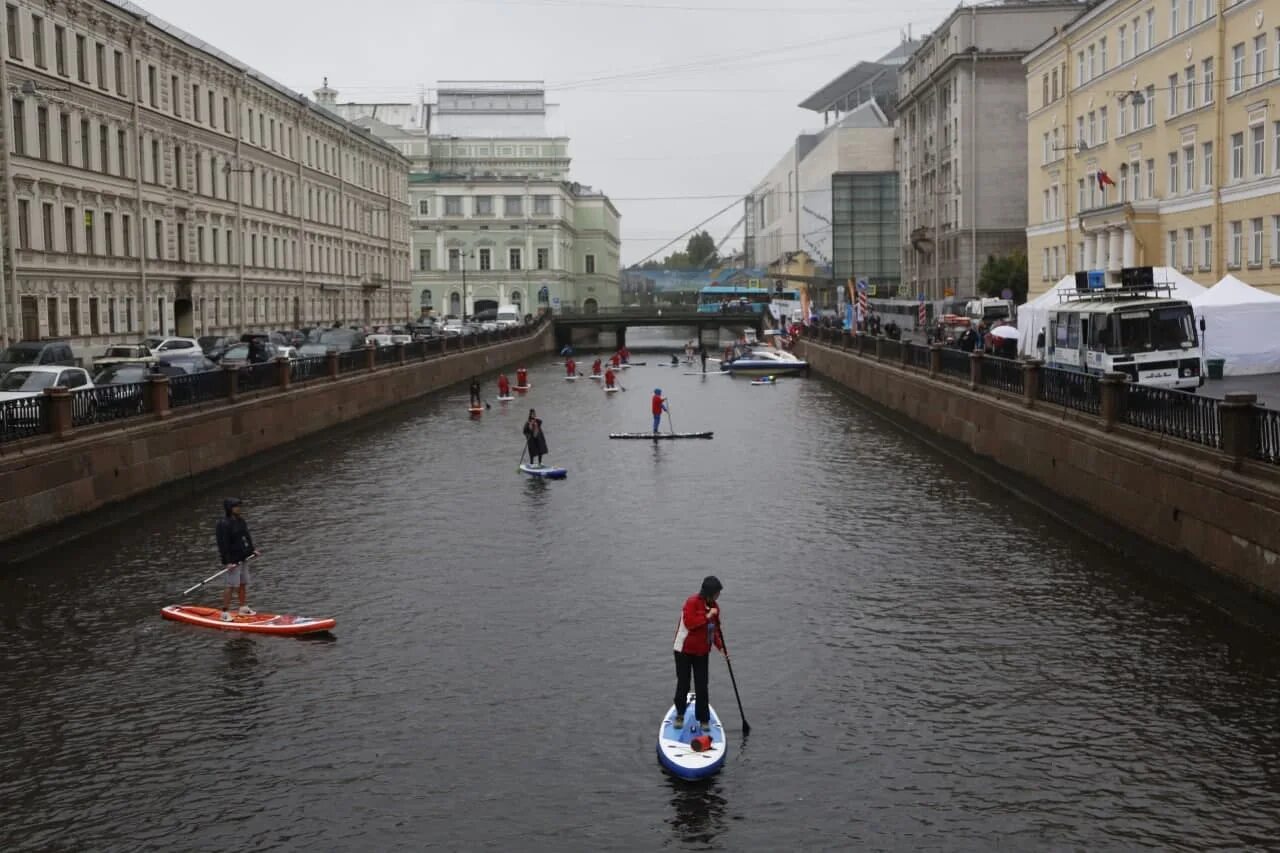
column 1104, row 179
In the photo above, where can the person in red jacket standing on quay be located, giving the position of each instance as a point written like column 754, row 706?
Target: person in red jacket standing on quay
column 695, row 635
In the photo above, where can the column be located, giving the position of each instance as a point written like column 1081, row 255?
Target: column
column 1129, row 248
column 1089, row 243
column 1114, row 250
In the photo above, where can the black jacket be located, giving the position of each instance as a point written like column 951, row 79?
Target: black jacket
column 535, row 439
column 235, row 545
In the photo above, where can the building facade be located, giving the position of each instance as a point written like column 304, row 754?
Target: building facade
column 961, row 147
column 156, row 186
column 495, row 218
column 1156, row 142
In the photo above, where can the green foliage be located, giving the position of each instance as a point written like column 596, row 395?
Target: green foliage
column 1007, row 272
column 699, row 253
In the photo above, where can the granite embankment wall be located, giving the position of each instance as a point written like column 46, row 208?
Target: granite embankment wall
column 50, row 479
column 1219, row 508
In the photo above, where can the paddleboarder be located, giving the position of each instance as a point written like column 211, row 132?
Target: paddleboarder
column 534, row 438
column 570, row 367
column 696, row 633
column 702, row 352
column 504, row 387
column 609, row 377
column 475, row 393
column 659, row 405
column 616, row 360
column 522, row 377
column 595, row 367
column 235, row 545
column 626, row 355
column 675, row 360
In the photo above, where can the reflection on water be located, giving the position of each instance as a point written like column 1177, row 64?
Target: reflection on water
column 698, row 810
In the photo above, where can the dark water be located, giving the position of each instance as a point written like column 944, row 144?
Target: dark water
column 926, row 665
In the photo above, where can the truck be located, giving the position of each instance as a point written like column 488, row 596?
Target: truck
column 508, row 316
column 989, row 310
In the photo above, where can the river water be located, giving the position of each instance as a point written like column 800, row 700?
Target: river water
column 925, row 663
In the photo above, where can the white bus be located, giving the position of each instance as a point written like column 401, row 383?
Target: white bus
column 1150, row 337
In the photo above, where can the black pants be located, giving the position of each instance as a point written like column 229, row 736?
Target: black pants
column 696, row 665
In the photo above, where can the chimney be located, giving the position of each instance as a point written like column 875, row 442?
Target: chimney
column 325, row 96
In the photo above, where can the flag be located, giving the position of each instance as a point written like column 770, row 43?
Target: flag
column 862, row 298
column 1104, row 179
column 924, row 316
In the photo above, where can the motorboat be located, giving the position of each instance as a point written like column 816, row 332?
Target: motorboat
column 765, row 361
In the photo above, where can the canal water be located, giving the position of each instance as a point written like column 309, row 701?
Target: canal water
column 925, row 663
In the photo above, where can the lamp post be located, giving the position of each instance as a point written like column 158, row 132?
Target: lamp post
column 462, row 258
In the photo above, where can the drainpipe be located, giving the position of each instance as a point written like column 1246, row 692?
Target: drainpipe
column 141, row 243
column 10, row 236
column 973, row 148
column 1220, row 156
column 240, row 238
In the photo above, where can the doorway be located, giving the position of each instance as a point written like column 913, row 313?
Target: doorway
column 30, row 319
column 590, row 306
column 183, row 318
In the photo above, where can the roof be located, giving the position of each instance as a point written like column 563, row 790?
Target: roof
column 859, row 75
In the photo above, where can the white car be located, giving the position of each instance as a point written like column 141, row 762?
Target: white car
column 288, row 352
column 23, row 382
column 173, row 346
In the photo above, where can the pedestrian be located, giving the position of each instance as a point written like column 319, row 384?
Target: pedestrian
column 702, row 352
column 534, row 438
column 235, row 546
column 475, row 392
column 659, row 405
column 570, row 367
column 522, row 377
column 595, row 367
column 696, row 633
column 504, row 387
column 609, row 378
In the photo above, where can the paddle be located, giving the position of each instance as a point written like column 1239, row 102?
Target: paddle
column 671, row 425
column 746, row 727
column 212, row 577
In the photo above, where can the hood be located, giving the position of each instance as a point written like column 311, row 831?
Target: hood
column 5, row 396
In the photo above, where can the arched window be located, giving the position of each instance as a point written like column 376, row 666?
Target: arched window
column 455, row 304
column 517, row 300
column 424, row 300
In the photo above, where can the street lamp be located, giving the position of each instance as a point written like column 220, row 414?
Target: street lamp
column 463, row 258
column 1139, row 97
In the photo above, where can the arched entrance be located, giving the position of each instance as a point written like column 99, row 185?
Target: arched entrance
column 590, row 306
column 483, row 305
column 455, row 304
column 517, row 299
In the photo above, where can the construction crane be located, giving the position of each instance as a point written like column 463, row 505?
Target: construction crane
column 725, row 239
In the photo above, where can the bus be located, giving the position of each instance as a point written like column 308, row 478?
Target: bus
column 726, row 299
column 1143, row 332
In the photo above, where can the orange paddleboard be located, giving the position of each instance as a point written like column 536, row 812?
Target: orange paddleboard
column 259, row 623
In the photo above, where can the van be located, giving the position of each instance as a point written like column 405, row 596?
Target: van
column 35, row 353
column 508, row 316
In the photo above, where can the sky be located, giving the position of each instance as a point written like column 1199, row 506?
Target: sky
column 674, row 108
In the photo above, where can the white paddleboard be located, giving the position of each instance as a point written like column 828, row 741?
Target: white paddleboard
column 506, row 399
column 571, row 379
column 597, row 376
column 613, row 390
column 548, row 472
column 679, row 757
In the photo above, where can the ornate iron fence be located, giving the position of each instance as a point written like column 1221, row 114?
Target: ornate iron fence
column 919, row 356
column 1266, row 433
column 1002, row 373
column 306, row 369
column 1175, row 413
column 196, row 388
column 955, row 362
column 255, row 377
column 891, row 350
column 1070, row 389
column 352, row 359
column 108, row 403
column 386, row 356
column 23, row 418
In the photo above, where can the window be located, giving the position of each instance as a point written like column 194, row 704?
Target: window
column 69, row 228
column 60, row 49
column 512, row 205
column 104, row 150
column 1234, row 247
column 12, row 33
column 1189, row 76
column 424, row 259
column 1173, row 94
column 1237, row 156
column 226, row 118
column 1188, row 248
column 108, row 232
column 544, row 257
column 1044, row 207
column 1173, row 31
column 24, row 224
column 1124, row 45
column 178, row 167
column 424, row 208
column 1206, row 245
column 1206, row 155
column 1189, row 168
column 1080, row 194
column 1276, row 133
column 1092, row 138
column 155, row 161
column 64, row 137
column 1102, row 124
column 1275, row 239
column 455, row 260
column 1102, row 53
column 1259, row 150
column 42, row 131
column 542, row 205
column 1136, row 178
column 453, row 205
column 158, row 247
column 19, row 126
column 1259, row 58
column 37, row 41
column 82, row 59
column 1237, row 68
column 126, row 234
column 153, row 90
column 1151, row 178
column 1044, row 89
column 1151, row 105
column 1207, row 68
column 1255, row 241
column 175, row 93
column 1151, row 28
column 100, row 65
column 120, row 75
column 1171, row 256
column 591, row 264
column 485, row 260
column 195, row 102
column 1173, row 173
column 1122, row 185
column 1136, row 49
column 122, row 146
column 46, row 226
column 1054, row 78
column 484, row 205
column 213, row 111
column 90, row 244
column 514, row 259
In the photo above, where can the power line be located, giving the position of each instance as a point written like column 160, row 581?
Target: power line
column 631, row 4
column 683, row 233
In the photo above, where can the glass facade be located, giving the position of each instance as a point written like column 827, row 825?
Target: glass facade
column 866, row 233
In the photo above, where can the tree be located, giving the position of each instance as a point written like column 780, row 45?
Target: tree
column 1007, row 272
column 701, row 250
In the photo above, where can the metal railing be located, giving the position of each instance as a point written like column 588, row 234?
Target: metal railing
column 108, row 403
column 955, row 363
column 255, row 377
column 196, row 388
column 306, row 369
column 919, row 358
column 352, row 359
column 891, row 350
column 1175, row 413
column 1070, row 389
column 1003, row 373
column 385, row 356
column 1266, row 436
column 23, row 418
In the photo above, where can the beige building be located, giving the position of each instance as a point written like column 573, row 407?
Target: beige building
column 154, row 185
column 1154, row 140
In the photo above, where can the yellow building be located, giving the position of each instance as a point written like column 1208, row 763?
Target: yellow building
column 1153, row 139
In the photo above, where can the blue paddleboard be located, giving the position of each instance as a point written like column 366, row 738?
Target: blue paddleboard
column 547, row 472
column 679, row 757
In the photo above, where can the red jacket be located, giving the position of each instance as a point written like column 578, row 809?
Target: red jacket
column 695, row 635
column 658, row 404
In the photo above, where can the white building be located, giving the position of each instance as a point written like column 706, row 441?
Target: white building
column 495, row 216
column 155, row 185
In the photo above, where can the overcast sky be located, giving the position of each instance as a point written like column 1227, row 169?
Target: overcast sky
column 660, row 98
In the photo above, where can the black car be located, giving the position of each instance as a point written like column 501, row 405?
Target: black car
column 215, row 345
column 120, row 388
column 25, row 353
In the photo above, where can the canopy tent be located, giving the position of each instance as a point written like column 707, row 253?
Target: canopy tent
column 1240, row 327
column 1033, row 316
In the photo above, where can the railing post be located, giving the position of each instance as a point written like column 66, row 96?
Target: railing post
column 331, row 364
column 233, row 381
column 282, row 372
column 935, row 359
column 57, row 402
column 879, row 348
column 904, row 350
column 400, row 356
column 1031, row 381
column 1114, row 388
column 158, row 394
column 844, row 339
column 370, row 357
column 1238, row 423
column 975, row 370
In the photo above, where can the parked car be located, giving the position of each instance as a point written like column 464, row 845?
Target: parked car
column 124, row 354
column 215, row 345
column 120, row 388
column 289, row 352
column 312, row 350
column 380, row 340
column 31, row 380
column 189, row 364
column 343, row 339
column 173, row 346
column 36, row 352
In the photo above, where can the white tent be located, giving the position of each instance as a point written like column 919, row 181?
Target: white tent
column 1034, row 315
column 1240, row 327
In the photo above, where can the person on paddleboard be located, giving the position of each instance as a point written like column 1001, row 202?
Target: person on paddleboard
column 534, row 439
column 675, row 360
column 696, row 633
column 609, row 377
column 616, row 360
column 626, row 355
column 504, row 387
column 522, row 377
column 570, row 367
column 702, row 352
column 659, row 405
column 475, row 393
column 595, row 367
column 235, row 546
